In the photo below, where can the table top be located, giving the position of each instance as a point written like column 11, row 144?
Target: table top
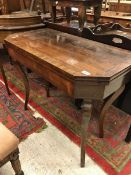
column 76, row 57
column 121, row 3
column 90, row 2
column 73, row 0
column 19, row 15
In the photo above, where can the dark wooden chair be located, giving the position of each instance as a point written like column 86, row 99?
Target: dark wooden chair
column 9, row 149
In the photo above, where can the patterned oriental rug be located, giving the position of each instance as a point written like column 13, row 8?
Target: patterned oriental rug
column 110, row 153
column 21, row 123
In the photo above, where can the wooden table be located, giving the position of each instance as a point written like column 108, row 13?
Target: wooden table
column 111, row 16
column 18, row 22
column 81, row 5
column 124, row 6
column 84, row 69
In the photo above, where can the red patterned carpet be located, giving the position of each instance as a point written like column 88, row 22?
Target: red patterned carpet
column 21, row 123
column 111, row 153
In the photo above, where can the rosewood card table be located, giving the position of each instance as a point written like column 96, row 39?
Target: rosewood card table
column 84, row 69
column 82, row 5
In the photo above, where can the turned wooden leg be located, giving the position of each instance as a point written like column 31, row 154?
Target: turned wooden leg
column 4, row 78
column 15, row 162
column 86, row 113
column 26, row 83
column 82, row 16
column 105, row 107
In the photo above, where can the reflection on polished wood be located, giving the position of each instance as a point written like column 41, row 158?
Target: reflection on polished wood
column 84, row 69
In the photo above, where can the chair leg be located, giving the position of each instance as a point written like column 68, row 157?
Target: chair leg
column 15, row 162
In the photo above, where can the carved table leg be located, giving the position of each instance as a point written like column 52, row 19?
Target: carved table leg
column 26, row 83
column 86, row 111
column 105, row 107
column 15, row 162
column 82, row 16
column 4, row 78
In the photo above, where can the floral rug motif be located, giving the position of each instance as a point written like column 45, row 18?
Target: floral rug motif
column 111, row 152
column 12, row 115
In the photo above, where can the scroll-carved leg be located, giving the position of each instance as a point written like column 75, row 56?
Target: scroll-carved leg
column 4, row 78
column 26, row 83
column 15, row 162
column 86, row 111
column 105, row 107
